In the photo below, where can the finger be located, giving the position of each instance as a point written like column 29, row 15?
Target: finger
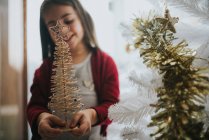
column 57, row 121
column 45, row 135
column 77, row 132
column 47, row 131
column 53, row 131
column 82, row 130
column 75, row 120
column 49, row 135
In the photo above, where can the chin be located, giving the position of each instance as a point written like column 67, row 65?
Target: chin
column 72, row 46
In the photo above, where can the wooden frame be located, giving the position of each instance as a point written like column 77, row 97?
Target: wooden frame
column 25, row 83
column 13, row 70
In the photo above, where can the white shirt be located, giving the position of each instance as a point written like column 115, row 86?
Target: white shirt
column 83, row 73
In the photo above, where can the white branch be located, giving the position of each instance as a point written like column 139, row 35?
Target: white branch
column 193, row 7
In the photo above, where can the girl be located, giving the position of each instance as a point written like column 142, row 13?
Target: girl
column 91, row 64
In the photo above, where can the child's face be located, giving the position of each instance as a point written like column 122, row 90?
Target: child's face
column 67, row 16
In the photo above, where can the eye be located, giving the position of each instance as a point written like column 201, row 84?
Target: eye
column 51, row 24
column 68, row 21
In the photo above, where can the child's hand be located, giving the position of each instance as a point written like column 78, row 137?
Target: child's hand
column 46, row 122
column 82, row 122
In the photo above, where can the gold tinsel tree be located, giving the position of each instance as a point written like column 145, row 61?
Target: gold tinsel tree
column 179, row 109
column 65, row 100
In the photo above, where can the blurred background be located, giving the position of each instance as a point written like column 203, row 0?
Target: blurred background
column 13, row 82
column 20, row 49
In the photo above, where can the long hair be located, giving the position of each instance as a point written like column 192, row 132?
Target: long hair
column 86, row 22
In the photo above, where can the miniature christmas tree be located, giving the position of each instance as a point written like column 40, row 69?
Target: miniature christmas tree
column 65, row 100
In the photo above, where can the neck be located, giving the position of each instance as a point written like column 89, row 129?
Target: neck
column 79, row 53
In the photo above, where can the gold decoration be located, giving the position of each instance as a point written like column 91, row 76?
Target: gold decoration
column 65, row 100
column 180, row 109
column 169, row 21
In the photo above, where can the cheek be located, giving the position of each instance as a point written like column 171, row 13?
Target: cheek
column 77, row 28
column 52, row 36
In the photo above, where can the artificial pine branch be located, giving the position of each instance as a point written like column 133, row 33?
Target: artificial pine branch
column 126, row 112
column 202, row 56
column 179, row 110
column 146, row 83
column 65, row 100
column 135, row 109
column 194, row 7
column 130, row 133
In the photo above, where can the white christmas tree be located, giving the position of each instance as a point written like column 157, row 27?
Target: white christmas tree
column 160, row 53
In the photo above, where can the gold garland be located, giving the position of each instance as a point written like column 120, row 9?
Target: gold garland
column 179, row 109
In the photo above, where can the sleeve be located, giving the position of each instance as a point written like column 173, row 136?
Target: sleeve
column 109, row 91
column 38, row 100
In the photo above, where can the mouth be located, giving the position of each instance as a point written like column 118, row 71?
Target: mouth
column 69, row 41
column 67, row 37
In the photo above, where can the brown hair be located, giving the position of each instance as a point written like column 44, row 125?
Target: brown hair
column 86, row 21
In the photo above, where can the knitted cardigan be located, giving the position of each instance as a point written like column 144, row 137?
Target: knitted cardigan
column 105, row 78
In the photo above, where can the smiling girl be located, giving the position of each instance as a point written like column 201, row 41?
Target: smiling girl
column 92, row 65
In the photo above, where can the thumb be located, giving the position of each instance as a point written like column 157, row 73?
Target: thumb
column 57, row 121
column 75, row 120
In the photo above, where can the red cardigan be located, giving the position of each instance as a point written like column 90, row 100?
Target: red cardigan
column 105, row 77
